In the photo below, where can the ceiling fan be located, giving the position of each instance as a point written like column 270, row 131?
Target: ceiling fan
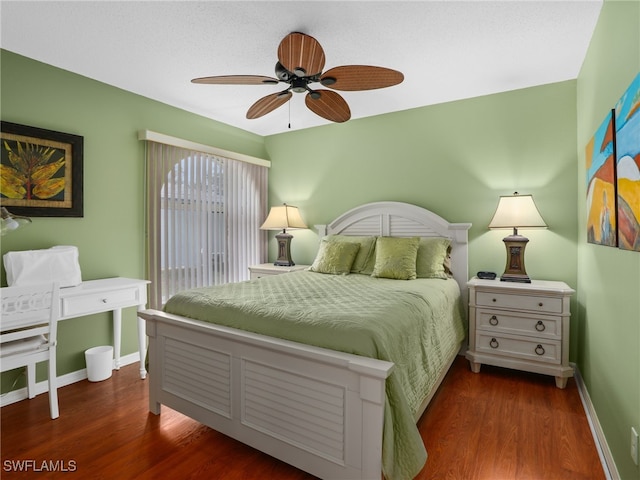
column 300, row 63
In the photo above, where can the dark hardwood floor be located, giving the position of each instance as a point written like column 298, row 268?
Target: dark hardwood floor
column 496, row 425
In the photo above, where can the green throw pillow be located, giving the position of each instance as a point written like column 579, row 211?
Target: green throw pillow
column 365, row 259
column 396, row 257
column 335, row 258
column 432, row 257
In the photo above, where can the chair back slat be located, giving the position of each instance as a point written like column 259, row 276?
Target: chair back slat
column 24, row 333
column 29, row 311
column 26, row 306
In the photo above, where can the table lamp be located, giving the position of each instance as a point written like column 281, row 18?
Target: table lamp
column 283, row 217
column 516, row 211
column 10, row 222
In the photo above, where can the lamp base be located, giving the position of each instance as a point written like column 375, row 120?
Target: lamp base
column 284, row 250
column 515, row 278
column 514, row 270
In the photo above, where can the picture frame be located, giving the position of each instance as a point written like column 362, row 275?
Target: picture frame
column 41, row 171
column 600, row 154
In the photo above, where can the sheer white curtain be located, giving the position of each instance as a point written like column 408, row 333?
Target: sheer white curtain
column 204, row 214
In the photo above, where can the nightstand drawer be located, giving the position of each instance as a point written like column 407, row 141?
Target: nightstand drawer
column 267, row 269
column 98, row 302
column 519, row 302
column 499, row 321
column 536, row 349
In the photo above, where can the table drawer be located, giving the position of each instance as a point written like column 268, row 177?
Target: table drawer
column 99, row 302
column 255, row 275
column 540, row 350
column 519, row 302
column 499, row 321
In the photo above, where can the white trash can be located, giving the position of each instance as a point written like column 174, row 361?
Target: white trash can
column 99, row 363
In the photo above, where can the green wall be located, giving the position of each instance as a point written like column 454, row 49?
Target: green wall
column 110, row 236
column 455, row 159
column 609, row 278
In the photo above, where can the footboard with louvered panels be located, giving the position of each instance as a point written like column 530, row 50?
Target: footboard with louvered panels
column 316, row 409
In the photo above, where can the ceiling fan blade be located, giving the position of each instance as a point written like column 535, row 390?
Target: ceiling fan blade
column 329, row 105
column 360, row 77
column 268, row 104
column 237, row 80
column 301, row 54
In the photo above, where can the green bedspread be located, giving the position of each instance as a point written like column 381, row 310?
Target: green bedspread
column 415, row 324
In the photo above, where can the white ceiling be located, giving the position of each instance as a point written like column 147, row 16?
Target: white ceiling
column 447, row 50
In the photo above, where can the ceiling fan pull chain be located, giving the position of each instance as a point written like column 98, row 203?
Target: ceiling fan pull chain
column 289, row 114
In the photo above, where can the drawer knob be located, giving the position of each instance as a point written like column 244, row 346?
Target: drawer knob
column 540, row 326
column 493, row 320
column 104, row 300
column 540, row 304
column 494, row 343
column 539, row 350
column 494, row 300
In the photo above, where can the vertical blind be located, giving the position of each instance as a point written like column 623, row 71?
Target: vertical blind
column 204, row 214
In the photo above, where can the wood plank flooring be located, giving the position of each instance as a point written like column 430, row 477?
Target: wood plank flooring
column 496, row 425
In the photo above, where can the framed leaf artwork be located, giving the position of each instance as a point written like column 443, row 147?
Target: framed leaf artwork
column 601, row 185
column 40, row 171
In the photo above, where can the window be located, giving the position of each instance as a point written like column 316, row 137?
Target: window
column 204, row 213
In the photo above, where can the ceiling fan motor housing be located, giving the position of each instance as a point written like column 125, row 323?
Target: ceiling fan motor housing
column 299, row 85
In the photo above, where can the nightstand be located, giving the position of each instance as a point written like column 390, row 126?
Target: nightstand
column 524, row 326
column 264, row 269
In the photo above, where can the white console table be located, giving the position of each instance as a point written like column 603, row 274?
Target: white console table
column 108, row 295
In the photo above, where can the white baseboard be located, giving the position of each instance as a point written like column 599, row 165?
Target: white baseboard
column 64, row 380
column 606, row 458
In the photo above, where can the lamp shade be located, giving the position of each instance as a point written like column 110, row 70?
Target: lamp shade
column 517, row 211
column 283, row 217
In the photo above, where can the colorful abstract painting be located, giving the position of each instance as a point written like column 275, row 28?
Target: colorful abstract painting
column 601, row 184
column 627, row 125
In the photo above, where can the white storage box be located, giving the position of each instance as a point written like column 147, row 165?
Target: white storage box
column 32, row 267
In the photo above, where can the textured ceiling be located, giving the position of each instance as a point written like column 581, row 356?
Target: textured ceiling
column 447, row 50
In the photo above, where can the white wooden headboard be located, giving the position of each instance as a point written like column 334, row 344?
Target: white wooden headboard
column 398, row 219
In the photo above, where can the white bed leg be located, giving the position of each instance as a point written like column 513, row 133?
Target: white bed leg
column 154, row 377
column 372, row 394
column 154, row 407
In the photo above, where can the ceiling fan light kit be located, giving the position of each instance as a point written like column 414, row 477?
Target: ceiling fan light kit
column 299, row 54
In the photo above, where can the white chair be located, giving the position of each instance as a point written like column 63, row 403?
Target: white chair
column 28, row 332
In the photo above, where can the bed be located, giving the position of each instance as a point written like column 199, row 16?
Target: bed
column 338, row 401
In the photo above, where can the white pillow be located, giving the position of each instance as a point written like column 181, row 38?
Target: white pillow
column 31, row 267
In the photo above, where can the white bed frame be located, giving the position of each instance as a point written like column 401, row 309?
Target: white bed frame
column 316, row 409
